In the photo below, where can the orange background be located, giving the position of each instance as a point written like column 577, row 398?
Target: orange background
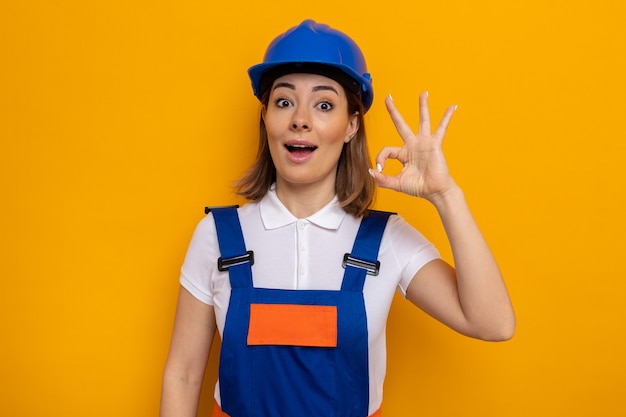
column 121, row 120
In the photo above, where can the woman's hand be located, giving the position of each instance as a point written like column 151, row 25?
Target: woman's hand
column 425, row 172
column 471, row 297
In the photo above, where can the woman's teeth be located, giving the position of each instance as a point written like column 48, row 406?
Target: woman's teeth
column 296, row 148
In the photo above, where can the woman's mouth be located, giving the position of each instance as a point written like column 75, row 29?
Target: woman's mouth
column 300, row 149
column 299, row 152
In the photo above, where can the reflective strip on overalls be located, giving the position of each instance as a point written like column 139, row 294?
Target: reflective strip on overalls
column 288, row 353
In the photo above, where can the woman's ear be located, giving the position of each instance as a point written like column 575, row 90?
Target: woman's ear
column 353, row 126
column 263, row 111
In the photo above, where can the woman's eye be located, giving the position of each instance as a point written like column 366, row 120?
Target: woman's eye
column 282, row 102
column 325, row 106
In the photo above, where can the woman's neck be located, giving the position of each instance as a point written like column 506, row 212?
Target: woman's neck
column 303, row 200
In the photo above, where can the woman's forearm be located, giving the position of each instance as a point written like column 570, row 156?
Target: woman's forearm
column 179, row 396
column 482, row 292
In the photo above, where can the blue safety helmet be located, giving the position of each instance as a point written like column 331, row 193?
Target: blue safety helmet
column 314, row 48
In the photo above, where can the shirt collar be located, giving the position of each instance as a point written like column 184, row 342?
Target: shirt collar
column 275, row 215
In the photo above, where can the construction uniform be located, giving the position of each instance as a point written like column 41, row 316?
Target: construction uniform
column 302, row 345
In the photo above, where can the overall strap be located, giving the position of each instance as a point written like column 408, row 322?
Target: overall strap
column 235, row 259
column 363, row 260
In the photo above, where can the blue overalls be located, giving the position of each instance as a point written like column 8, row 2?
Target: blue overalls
column 289, row 353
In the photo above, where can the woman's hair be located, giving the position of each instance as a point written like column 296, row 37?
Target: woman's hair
column 353, row 185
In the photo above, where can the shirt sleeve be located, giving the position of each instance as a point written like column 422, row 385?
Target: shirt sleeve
column 201, row 261
column 411, row 250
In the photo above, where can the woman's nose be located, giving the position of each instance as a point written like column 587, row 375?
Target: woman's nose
column 300, row 125
column 300, row 120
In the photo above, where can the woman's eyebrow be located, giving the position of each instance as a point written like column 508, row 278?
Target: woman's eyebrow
column 325, row 87
column 314, row 89
column 286, row 85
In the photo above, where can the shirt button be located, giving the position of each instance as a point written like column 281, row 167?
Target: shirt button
column 302, row 225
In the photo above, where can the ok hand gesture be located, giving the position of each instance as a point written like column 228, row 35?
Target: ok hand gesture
column 425, row 172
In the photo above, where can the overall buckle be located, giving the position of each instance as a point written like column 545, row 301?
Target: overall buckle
column 224, row 264
column 372, row 268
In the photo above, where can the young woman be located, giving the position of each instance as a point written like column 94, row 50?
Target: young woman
column 299, row 281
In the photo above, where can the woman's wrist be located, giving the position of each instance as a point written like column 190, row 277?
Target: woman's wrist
column 448, row 199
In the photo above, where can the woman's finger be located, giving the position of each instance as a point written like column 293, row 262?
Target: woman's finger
column 385, row 181
column 445, row 121
column 401, row 126
column 388, row 152
column 424, row 125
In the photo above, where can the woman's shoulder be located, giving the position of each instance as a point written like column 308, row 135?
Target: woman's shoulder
column 400, row 232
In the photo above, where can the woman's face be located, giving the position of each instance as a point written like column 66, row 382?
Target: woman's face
column 307, row 124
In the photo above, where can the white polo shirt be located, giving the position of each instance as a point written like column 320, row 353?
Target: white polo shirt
column 292, row 253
